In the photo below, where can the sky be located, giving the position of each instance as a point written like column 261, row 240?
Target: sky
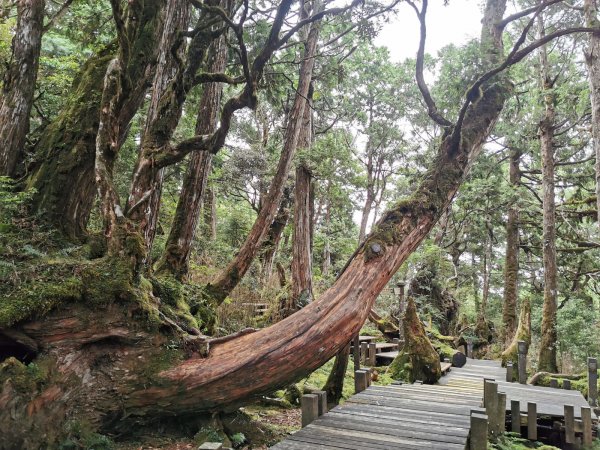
column 456, row 23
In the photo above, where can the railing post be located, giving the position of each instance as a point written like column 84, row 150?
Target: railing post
column 356, row 352
column 479, row 431
column 515, row 416
column 322, row 395
column 569, row 424
column 309, row 404
column 469, row 349
column 490, row 398
column 586, row 419
column 364, row 350
column 360, row 380
column 501, row 413
column 522, row 348
column 593, row 382
column 509, row 372
column 567, row 385
column 372, row 353
column 553, row 383
column 532, row 421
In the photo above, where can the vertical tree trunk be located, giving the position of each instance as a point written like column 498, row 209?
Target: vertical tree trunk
column 210, row 212
column 19, row 83
column 592, row 57
column 179, row 243
column 301, row 240
column 547, row 354
column 146, row 186
column 326, row 249
column 487, row 267
column 511, row 264
column 227, row 280
column 63, row 178
column 271, row 244
column 176, row 19
column 334, row 386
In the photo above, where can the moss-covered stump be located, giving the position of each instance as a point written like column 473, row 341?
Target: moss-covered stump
column 417, row 360
column 523, row 333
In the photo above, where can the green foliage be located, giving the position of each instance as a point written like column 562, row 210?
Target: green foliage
column 512, row 441
column 81, row 436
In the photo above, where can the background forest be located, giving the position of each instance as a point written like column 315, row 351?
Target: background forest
column 243, row 223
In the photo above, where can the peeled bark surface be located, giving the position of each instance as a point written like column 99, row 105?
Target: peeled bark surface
column 176, row 19
column 417, row 359
column 511, row 264
column 179, row 243
column 547, row 356
column 19, row 83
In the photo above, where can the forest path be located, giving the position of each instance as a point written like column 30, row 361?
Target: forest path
column 416, row 416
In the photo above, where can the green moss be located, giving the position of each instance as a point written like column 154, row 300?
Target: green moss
column 81, row 435
column 513, row 441
column 26, row 379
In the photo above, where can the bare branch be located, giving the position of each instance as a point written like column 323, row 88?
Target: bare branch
column 431, row 106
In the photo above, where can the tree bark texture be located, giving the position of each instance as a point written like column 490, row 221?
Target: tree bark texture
column 63, row 178
column 228, row 279
column 592, row 57
column 547, row 354
column 19, row 81
column 179, row 243
column 147, row 380
column 176, row 20
column 301, row 292
column 511, row 263
column 271, row 244
column 523, row 333
column 334, row 386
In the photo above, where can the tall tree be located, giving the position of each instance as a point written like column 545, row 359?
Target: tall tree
column 179, row 243
column 228, row 279
column 592, row 57
column 301, row 291
column 511, row 263
column 547, row 354
column 18, row 85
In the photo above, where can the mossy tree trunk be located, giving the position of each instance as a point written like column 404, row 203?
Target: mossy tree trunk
column 523, row 333
column 417, row 359
column 511, row 263
column 64, row 176
column 547, row 354
column 271, row 244
column 19, row 81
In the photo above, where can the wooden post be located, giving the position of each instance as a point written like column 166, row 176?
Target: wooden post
column 309, row 404
column 397, row 342
column 372, row 353
column 569, row 424
column 360, row 380
column 399, row 291
column 515, row 416
column 490, row 398
column 509, row 372
column 469, row 349
column 586, row 419
column 593, row 382
column 322, row 401
column 567, row 385
column 553, row 383
column 364, row 350
column 532, row 421
column 356, row 352
column 522, row 348
column 369, row 373
column 501, row 412
column 479, row 431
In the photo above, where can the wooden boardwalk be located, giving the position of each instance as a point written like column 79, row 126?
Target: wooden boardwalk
column 415, row 416
column 407, row 416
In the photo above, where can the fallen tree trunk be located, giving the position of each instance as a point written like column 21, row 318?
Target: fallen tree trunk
column 116, row 365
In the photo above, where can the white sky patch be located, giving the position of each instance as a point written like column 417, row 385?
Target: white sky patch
column 456, row 23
